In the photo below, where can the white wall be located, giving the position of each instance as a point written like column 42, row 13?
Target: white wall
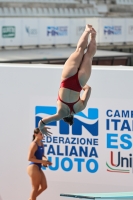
column 54, row 31
column 22, row 88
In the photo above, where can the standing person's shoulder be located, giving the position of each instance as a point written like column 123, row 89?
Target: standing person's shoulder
column 33, row 145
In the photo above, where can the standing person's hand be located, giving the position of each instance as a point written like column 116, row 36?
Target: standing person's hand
column 46, row 162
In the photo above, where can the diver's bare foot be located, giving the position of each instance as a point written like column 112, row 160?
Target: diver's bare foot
column 93, row 34
column 88, row 28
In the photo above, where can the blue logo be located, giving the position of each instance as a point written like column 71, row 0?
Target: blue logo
column 90, row 122
column 112, row 30
column 56, row 30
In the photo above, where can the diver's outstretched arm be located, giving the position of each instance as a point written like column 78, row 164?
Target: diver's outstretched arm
column 46, row 120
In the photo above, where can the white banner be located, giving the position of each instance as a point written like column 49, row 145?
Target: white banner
column 47, row 34
column 129, row 29
column 98, row 144
column 106, row 30
column 30, row 31
column 11, row 31
column 1, row 38
column 119, row 30
column 93, row 155
column 61, row 29
column 77, row 26
column 54, row 31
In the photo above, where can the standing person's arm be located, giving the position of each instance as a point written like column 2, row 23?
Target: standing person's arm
column 45, row 158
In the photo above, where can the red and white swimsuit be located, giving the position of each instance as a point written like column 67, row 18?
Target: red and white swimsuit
column 71, row 83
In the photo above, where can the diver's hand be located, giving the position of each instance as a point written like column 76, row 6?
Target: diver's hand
column 44, row 129
column 86, row 87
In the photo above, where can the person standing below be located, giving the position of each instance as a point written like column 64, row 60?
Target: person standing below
column 37, row 160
